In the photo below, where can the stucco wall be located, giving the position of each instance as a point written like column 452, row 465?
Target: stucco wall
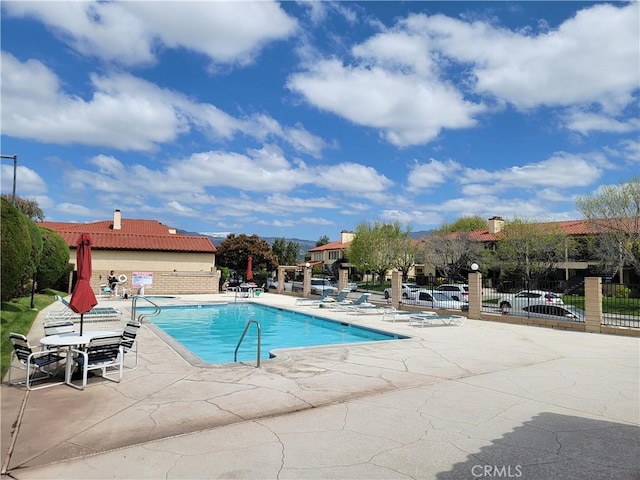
column 150, row 261
column 173, row 272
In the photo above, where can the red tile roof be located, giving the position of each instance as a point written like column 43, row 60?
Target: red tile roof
column 134, row 235
column 570, row 227
column 330, row 246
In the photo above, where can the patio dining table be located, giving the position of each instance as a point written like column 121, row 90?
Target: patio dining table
column 67, row 341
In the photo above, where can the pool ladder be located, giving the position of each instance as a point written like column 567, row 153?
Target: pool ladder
column 134, row 301
column 246, row 328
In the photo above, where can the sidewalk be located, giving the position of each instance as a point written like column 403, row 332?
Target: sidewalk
column 477, row 401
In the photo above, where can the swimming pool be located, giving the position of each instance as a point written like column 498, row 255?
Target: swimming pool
column 211, row 332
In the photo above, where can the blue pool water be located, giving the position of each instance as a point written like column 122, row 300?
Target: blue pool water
column 212, row 331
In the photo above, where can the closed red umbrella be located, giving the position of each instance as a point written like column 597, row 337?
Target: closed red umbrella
column 249, row 269
column 83, row 299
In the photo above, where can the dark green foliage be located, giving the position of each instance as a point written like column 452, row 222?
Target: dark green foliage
column 55, row 259
column 323, row 240
column 16, row 249
column 234, row 252
column 285, row 252
column 34, row 258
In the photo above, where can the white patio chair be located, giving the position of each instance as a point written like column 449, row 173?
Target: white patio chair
column 129, row 342
column 32, row 363
column 100, row 354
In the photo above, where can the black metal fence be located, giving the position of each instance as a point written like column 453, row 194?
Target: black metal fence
column 620, row 303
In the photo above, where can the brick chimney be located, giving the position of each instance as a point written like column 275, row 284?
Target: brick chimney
column 346, row 236
column 117, row 220
column 495, row 225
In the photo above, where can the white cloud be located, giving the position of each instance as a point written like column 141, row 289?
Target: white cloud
column 123, row 112
column 586, row 122
column 408, row 109
column 567, row 66
column 427, row 176
column 350, row 178
column 399, row 82
column 129, row 33
column 29, row 184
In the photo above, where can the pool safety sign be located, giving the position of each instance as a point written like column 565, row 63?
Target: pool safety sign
column 142, row 280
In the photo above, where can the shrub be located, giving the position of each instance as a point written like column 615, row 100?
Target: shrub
column 55, row 259
column 15, row 249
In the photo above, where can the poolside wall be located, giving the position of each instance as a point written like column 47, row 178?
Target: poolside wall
column 166, row 283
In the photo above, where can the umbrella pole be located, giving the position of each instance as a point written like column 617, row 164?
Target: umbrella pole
column 81, row 322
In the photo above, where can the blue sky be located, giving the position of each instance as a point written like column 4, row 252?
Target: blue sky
column 302, row 119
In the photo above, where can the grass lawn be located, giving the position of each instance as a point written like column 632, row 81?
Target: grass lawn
column 16, row 317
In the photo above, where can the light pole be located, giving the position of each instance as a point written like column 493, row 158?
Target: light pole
column 15, row 168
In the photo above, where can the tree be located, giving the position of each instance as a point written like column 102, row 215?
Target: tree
column 54, row 261
column 28, row 206
column 234, row 253
column 451, row 248
column 323, row 240
column 15, row 249
column 464, row 224
column 286, row 253
column 292, row 253
column 614, row 214
column 531, row 250
column 375, row 247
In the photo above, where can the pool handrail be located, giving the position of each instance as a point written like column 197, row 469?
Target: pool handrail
column 134, row 301
column 244, row 332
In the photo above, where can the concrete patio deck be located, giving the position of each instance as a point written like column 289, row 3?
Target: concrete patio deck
column 483, row 400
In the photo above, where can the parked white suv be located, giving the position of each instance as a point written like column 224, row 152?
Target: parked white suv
column 455, row 291
column 526, row 298
column 408, row 291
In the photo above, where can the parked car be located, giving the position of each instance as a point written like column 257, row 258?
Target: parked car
column 272, row 283
column 408, row 291
column 318, row 286
column 526, row 298
column 437, row 300
column 555, row 312
column 455, row 291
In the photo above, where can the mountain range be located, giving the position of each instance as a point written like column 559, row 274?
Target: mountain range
column 305, row 245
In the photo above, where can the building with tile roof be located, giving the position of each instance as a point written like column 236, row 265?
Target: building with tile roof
column 333, row 252
column 146, row 252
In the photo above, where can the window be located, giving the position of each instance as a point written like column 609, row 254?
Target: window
column 425, row 297
column 334, row 254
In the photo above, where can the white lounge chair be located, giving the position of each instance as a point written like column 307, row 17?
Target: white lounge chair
column 313, row 301
column 422, row 320
column 345, row 304
column 96, row 313
column 337, row 300
column 403, row 315
column 369, row 309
